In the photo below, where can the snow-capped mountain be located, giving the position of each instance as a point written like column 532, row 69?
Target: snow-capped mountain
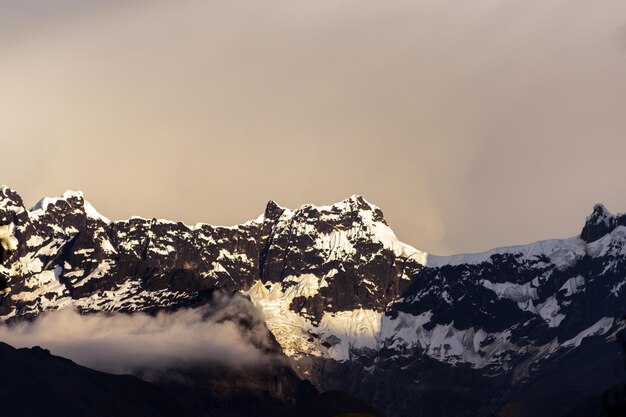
column 346, row 300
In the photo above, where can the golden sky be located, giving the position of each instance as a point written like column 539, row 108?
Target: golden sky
column 472, row 124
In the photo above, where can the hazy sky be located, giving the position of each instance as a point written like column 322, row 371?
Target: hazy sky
column 472, row 124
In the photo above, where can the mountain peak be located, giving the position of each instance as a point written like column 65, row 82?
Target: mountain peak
column 5, row 189
column 601, row 222
column 355, row 202
column 356, row 199
column 68, row 195
column 75, row 199
column 353, row 205
column 273, row 210
column 11, row 205
column 8, row 193
column 600, row 210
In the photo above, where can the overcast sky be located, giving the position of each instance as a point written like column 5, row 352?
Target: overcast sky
column 472, row 124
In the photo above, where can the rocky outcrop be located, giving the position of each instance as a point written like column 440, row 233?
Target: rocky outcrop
column 600, row 223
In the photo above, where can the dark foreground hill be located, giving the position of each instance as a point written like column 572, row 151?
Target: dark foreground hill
column 35, row 383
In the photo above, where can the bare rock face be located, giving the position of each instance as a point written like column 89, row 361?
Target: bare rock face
column 350, row 304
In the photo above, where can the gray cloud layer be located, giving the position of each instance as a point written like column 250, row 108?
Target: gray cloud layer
column 122, row 343
column 472, row 124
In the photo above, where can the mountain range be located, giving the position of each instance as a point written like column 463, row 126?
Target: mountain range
column 516, row 331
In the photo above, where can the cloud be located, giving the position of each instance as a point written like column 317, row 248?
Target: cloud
column 228, row 331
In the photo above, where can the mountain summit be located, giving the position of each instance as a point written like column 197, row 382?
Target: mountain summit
column 600, row 223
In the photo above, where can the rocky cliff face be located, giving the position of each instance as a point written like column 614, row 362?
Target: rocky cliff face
column 347, row 301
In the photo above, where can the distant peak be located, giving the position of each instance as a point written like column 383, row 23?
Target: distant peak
column 8, row 192
column 68, row 197
column 356, row 198
column 271, row 205
column 353, row 203
column 601, row 222
column 600, row 210
column 273, row 210
column 11, row 204
column 73, row 194
column 358, row 202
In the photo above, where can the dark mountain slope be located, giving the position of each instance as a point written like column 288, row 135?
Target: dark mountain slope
column 333, row 404
column 34, row 383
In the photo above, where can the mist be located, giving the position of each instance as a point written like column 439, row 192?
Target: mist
column 471, row 124
column 227, row 332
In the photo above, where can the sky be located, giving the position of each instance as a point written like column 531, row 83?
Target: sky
column 471, row 124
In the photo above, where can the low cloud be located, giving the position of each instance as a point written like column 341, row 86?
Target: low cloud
column 228, row 331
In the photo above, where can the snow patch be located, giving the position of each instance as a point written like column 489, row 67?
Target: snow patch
column 355, row 329
column 101, row 270
column 510, row 291
column 34, row 241
column 549, row 311
column 573, row 285
column 94, row 214
column 561, row 252
column 7, row 239
column 612, row 243
column 617, row 288
column 336, row 244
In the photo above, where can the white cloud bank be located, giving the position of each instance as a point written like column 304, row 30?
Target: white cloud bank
column 227, row 332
